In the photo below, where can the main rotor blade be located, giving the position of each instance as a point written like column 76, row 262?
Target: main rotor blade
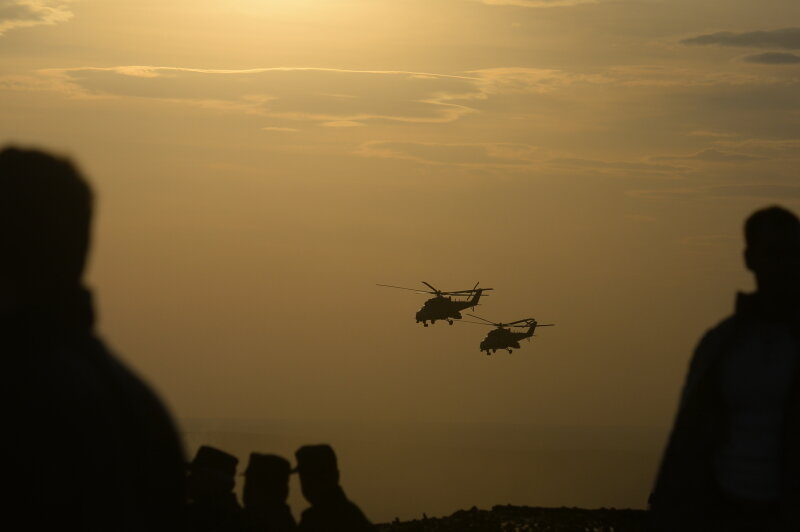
column 432, row 288
column 484, row 319
column 527, row 320
column 547, row 325
column 468, row 291
column 475, row 323
column 404, row 288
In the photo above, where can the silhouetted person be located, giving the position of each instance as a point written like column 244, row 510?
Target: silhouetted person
column 92, row 448
column 733, row 459
column 330, row 509
column 266, row 488
column 212, row 503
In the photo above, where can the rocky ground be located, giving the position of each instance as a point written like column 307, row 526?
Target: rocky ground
column 526, row 519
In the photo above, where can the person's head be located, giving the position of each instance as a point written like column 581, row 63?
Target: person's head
column 772, row 236
column 212, row 474
column 45, row 217
column 266, row 480
column 319, row 474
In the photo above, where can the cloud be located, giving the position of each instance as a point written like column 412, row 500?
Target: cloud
column 773, row 58
column 710, row 155
column 776, row 149
column 538, row 3
column 667, row 77
column 343, row 123
column 509, row 80
column 334, row 97
column 28, row 13
column 714, row 134
column 618, row 168
column 762, row 192
column 509, row 156
column 281, row 129
column 459, row 154
column 326, row 96
column 787, row 38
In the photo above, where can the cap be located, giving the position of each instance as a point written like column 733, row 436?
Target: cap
column 268, row 466
column 315, row 460
column 215, row 461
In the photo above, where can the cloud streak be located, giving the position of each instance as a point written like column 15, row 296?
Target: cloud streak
column 328, row 96
column 509, row 157
column 28, row 13
column 711, row 155
column 453, row 154
column 538, row 3
column 786, row 38
column 773, row 58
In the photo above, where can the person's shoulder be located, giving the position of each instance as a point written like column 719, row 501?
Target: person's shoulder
column 115, row 372
column 712, row 344
column 720, row 332
column 733, row 324
column 356, row 517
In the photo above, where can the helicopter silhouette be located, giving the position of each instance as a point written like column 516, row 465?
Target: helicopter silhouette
column 443, row 306
column 503, row 337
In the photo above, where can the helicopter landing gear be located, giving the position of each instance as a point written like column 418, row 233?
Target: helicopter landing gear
column 488, row 354
column 450, row 322
column 425, row 323
column 493, row 351
column 509, row 350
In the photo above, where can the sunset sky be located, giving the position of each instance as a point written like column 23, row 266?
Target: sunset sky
column 260, row 165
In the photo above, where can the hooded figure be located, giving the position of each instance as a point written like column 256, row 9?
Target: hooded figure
column 330, row 509
column 212, row 504
column 733, row 459
column 94, row 447
column 266, row 488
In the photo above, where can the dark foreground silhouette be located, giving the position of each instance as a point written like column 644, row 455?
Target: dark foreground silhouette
column 92, row 448
column 212, row 504
column 732, row 463
column 213, row 507
column 331, row 510
column 526, row 519
column 266, row 488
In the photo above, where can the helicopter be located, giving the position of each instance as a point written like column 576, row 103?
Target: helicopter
column 503, row 337
column 443, row 307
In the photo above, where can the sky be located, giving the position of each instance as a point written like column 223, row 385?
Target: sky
column 261, row 165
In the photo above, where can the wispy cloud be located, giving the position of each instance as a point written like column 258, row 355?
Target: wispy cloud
column 766, row 192
column 786, row 38
column 773, row 58
column 658, row 76
column 334, row 97
column 712, row 134
column 616, row 168
column 782, row 149
column 280, row 129
column 711, row 155
column 343, row 123
column 28, row 13
column 538, row 3
column 459, row 154
column 510, row 156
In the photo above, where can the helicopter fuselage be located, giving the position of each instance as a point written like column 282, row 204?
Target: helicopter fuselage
column 502, row 338
column 445, row 308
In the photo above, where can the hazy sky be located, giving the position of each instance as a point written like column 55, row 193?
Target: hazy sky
column 260, row 165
